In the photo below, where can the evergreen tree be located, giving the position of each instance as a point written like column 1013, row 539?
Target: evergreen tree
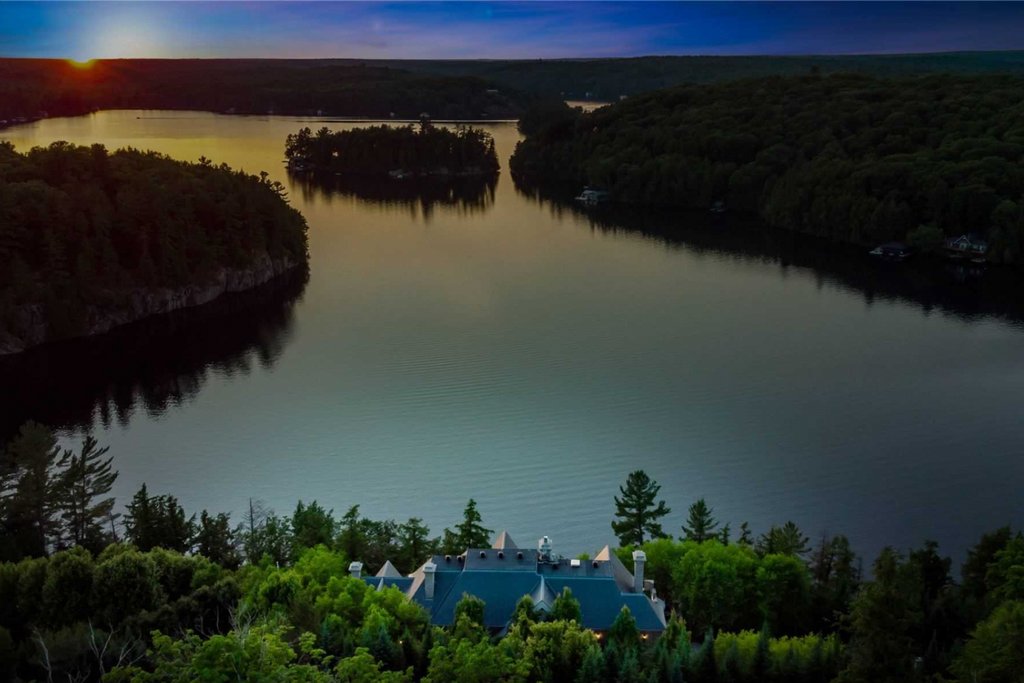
column 700, row 525
column 352, row 538
column 415, row 544
column 470, row 532
column 566, row 607
column 83, row 486
column 746, row 538
column 592, row 666
column 215, row 540
column 158, row 522
column 623, row 631
column 784, row 540
column 33, row 506
column 312, row 526
column 723, row 535
column 636, row 513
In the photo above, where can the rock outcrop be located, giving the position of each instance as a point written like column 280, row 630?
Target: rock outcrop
column 29, row 325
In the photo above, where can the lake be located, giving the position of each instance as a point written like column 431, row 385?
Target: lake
column 490, row 344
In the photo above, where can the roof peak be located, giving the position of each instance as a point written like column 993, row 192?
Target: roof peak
column 503, row 542
column 389, row 571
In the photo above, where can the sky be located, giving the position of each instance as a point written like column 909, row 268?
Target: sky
column 500, row 30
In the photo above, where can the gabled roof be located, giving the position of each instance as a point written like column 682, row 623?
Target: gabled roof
column 504, row 542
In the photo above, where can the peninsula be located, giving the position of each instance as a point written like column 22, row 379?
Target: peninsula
column 851, row 158
column 93, row 240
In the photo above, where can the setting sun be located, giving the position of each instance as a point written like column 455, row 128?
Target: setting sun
column 82, row 63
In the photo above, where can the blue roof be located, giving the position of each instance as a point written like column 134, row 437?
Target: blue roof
column 601, row 601
column 500, row 591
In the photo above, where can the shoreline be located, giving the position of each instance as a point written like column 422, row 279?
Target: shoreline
column 31, row 330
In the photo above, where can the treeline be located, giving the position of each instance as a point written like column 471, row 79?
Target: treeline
column 909, row 621
column 83, row 229
column 380, row 150
column 161, row 595
column 608, row 79
column 846, row 157
column 31, row 87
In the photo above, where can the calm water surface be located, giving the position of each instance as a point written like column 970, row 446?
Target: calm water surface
column 509, row 350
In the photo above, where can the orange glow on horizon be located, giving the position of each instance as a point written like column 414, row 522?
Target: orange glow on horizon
column 82, row 63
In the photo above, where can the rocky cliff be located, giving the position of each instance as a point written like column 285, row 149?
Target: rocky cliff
column 28, row 326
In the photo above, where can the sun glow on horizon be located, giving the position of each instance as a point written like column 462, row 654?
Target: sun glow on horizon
column 82, row 64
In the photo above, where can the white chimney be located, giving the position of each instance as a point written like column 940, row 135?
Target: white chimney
column 355, row 570
column 639, row 559
column 428, row 580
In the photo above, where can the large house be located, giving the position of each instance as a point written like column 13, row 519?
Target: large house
column 504, row 573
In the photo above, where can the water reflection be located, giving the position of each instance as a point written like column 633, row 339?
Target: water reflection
column 423, row 196
column 153, row 364
column 964, row 291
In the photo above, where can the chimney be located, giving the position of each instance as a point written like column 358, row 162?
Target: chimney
column 639, row 560
column 428, row 580
column 355, row 570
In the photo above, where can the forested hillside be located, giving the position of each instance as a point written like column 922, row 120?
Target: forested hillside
column 90, row 239
column 847, row 157
column 609, row 78
column 245, row 86
column 159, row 594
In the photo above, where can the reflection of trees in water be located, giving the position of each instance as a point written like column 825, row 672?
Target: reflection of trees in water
column 467, row 195
column 153, row 364
column 964, row 291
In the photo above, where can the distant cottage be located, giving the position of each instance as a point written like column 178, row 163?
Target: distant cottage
column 504, row 573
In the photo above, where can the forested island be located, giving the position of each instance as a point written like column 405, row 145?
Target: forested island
column 394, row 152
column 92, row 239
column 847, row 157
column 158, row 594
column 32, row 88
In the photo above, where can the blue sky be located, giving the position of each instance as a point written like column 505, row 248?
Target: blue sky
column 416, row 30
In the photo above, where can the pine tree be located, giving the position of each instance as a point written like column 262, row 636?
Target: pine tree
column 33, row 506
column 416, row 544
column 352, row 539
column 138, row 523
column 84, row 505
column 746, row 538
column 700, row 525
column 471, row 533
column 784, row 540
column 636, row 513
column 215, row 541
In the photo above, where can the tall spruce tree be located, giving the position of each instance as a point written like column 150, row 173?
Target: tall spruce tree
column 636, row 513
column 700, row 525
column 471, row 532
column 85, row 508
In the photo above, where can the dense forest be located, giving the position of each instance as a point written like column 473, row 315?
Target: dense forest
column 399, row 151
column 607, row 79
column 90, row 239
column 158, row 594
column 30, row 88
column 449, row 89
column 847, row 157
